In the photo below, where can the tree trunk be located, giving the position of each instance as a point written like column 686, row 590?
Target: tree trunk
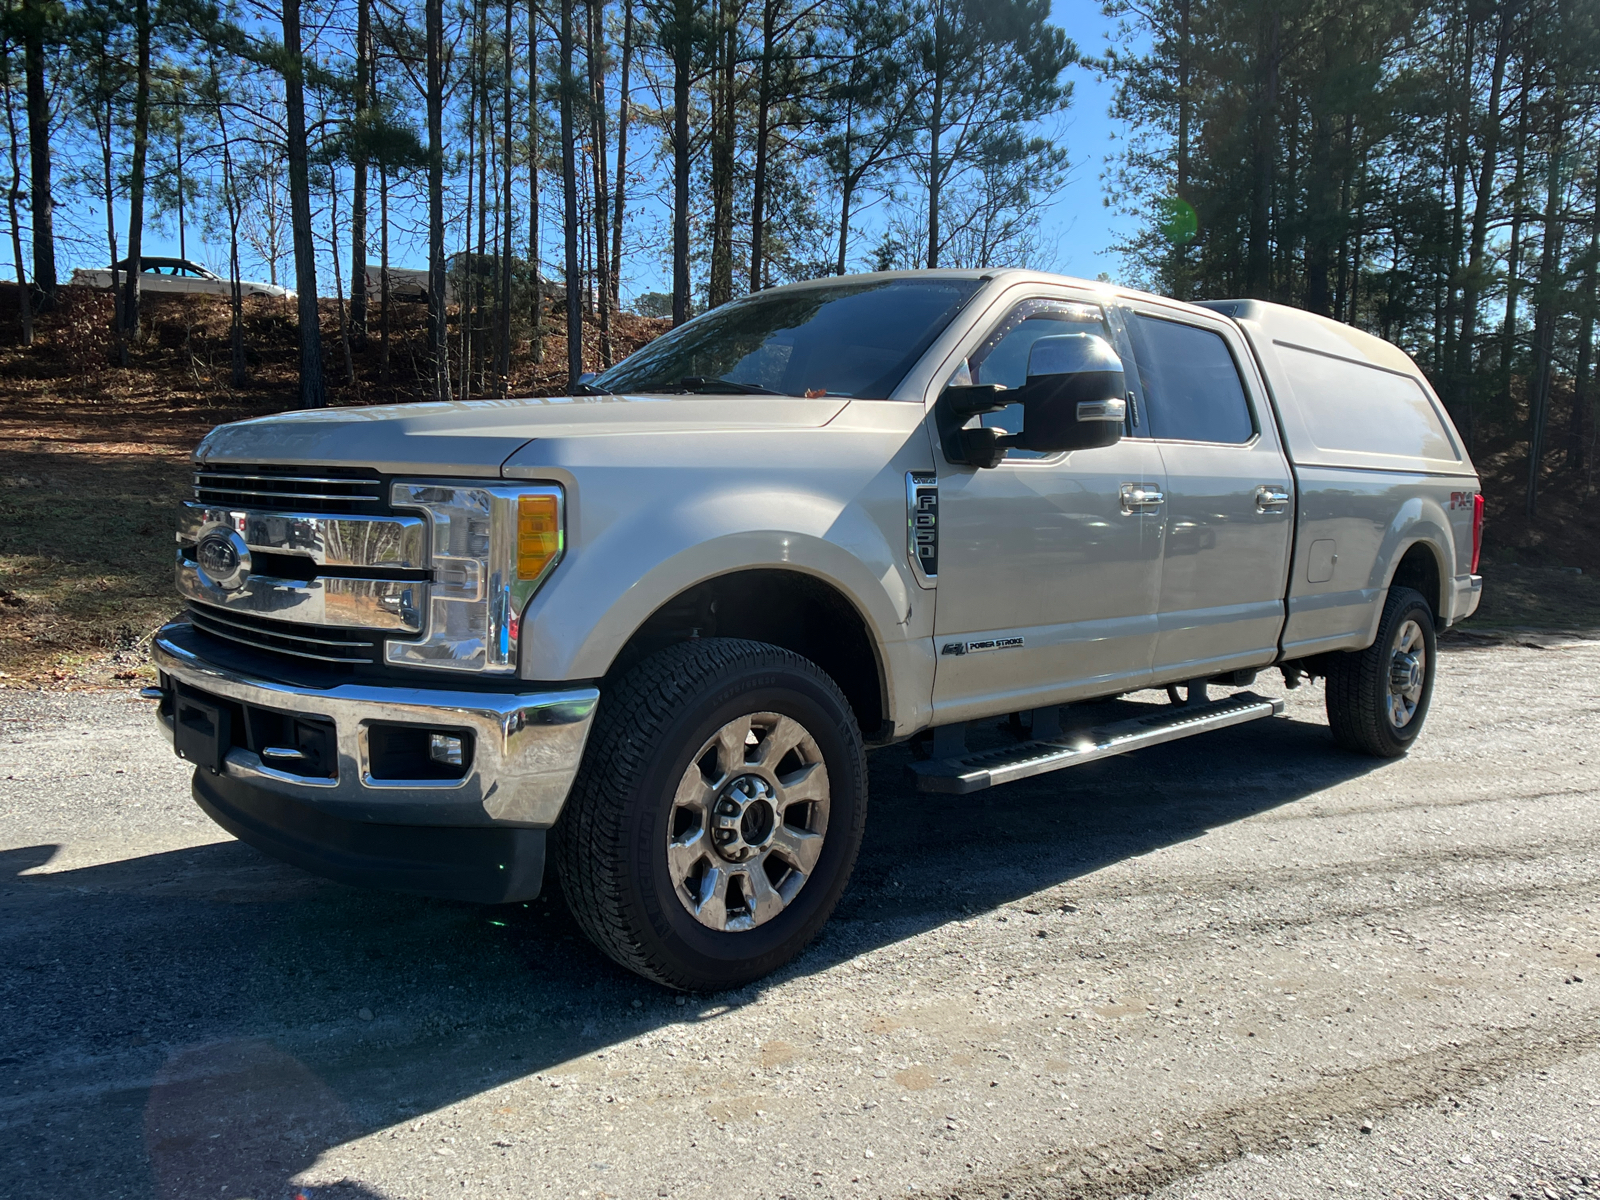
column 1460, row 150
column 1258, row 269
column 467, row 266
column 758, row 195
column 230, row 197
column 480, row 260
column 681, row 49
column 141, row 144
column 602, row 200
column 338, row 280
column 1473, row 280
column 935, row 135
column 620, row 188
column 24, row 299
column 846, row 194
column 358, row 162
column 183, row 251
column 1508, row 342
column 313, row 391
column 503, row 364
column 722, row 138
column 1180, row 282
column 536, row 346
column 1578, row 419
column 1546, row 308
column 108, row 199
column 40, row 200
column 1321, row 216
column 438, row 327
column 569, row 205
column 383, row 274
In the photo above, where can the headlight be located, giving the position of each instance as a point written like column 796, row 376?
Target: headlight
column 491, row 548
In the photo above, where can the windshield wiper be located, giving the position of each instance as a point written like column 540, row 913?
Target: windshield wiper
column 711, row 387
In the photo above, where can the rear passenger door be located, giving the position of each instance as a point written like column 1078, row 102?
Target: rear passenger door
column 1229, row 501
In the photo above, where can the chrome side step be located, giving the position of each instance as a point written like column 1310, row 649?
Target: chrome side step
column 985, row 768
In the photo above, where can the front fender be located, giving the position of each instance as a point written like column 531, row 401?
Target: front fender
column 621, row 573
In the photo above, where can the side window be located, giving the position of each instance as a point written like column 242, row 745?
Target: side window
column 1191, row 385
column 1003, row 356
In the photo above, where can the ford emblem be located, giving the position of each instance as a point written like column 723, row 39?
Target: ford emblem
column 224, row 559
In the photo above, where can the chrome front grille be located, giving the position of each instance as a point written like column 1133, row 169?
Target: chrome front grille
column 295, row 489
column 318, row 643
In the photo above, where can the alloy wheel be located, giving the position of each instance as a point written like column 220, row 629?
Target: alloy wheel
column 748, row 822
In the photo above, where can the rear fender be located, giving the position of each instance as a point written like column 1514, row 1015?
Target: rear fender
column 1420, row 519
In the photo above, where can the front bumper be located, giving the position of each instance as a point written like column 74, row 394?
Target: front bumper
column 351, row 824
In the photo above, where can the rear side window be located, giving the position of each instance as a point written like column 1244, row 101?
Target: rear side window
column 1358, row 409
column 1192, row 391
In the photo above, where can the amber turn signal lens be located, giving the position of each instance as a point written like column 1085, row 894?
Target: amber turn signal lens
column 538, row 534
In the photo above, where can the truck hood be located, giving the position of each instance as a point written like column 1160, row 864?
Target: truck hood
column 474, row 437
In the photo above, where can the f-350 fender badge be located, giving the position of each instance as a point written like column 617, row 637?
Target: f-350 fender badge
column 922, row 525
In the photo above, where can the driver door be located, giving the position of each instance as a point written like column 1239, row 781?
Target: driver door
column 1049, row 564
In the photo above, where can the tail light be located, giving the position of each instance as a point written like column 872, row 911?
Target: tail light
column 1477, row 530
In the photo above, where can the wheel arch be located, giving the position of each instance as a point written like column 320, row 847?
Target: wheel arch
column 1422, row 569
column 797, row 610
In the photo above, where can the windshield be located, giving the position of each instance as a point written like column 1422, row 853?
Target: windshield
column 855, row 339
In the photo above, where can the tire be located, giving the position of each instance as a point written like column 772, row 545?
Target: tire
column 1369, row 710
column 677, row 798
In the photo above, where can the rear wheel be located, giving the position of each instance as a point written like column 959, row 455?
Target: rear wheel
column 1378, row 698
column 717, row 816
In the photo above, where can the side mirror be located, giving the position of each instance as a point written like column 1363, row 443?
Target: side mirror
column 1075, row 397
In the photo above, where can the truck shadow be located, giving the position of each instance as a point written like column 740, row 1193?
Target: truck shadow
column 207, row 1021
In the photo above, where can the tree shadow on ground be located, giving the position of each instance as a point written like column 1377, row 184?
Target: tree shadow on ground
column 207, row 1021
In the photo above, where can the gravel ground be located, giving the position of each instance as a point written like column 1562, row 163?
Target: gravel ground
column 1246, row 965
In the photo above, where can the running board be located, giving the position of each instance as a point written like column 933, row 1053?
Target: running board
column 986, row 768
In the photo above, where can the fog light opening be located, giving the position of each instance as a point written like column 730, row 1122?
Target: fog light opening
column 446, row 749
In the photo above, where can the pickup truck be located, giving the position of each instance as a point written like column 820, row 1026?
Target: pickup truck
column 654, row 627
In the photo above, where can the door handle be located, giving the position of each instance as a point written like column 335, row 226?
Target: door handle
column 1141, row 497
column 1271, row 498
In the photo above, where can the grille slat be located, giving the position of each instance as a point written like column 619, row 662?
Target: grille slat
column 329, row 644
column 331, row 489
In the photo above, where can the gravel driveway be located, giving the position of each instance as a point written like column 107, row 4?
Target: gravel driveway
column 1246, row 965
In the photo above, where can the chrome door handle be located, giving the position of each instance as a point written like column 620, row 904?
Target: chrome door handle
column 1141, row 497
column 1271, row 498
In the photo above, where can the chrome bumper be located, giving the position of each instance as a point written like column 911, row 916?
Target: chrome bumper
column 526, row 748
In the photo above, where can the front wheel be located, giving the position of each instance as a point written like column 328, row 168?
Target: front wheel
column 717, row 816
column 1378, row 697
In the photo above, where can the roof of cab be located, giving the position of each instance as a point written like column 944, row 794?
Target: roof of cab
column 1278, row 321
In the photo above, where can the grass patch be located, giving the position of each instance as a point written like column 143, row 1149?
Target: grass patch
column 86, row 546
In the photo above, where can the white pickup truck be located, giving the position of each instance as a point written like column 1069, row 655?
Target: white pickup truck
column 656, row 626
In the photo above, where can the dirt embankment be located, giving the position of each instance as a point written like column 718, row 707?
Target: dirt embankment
column 94, row 455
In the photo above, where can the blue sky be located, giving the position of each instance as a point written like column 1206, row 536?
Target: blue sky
column 1080, row 226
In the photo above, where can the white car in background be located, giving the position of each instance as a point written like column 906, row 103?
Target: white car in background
column 175, row 276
